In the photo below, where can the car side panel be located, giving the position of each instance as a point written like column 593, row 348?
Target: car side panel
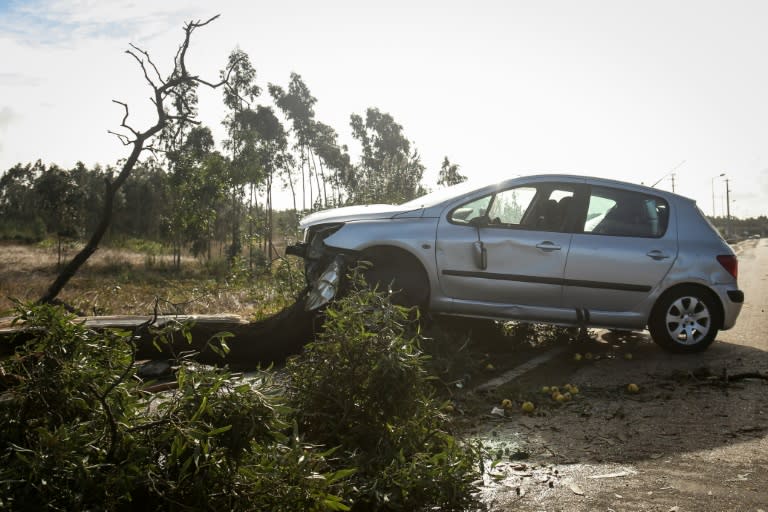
column 414, row 235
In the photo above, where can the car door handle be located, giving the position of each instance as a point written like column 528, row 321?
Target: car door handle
column 548, row 246
column 657, row 255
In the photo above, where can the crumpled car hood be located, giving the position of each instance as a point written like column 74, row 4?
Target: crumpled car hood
column 363, row 212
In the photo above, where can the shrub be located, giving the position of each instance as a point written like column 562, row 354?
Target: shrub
column 363, row 386
column 79, row 433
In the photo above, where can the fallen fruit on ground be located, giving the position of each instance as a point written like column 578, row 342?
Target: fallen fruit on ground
column 546, row 389
column 633, row 388
column 506, row 403
column 528, row 407
column 577, row 357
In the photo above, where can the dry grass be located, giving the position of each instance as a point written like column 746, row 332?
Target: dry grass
column 124, row 282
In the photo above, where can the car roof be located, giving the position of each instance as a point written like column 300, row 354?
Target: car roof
column 607, row 182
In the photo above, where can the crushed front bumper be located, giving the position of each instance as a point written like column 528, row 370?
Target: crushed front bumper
column 324, row 271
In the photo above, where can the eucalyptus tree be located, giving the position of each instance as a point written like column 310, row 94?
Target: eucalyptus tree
column 389, row 171
column 333, row 157
column 58, row 202
column 449, row 174
column 91, row 184
column 198, row 185
column 18, row 203
column 239, row 94
column 143, row 203
column 297, row 104
column 268, row 143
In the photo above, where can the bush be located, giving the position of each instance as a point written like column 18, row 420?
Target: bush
column 79, row 433
column 358, row 426
column 363, row 386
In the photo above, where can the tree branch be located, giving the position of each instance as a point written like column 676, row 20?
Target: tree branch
column 138, row 140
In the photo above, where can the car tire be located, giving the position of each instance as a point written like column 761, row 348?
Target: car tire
column 684, row 320
column 396, row 270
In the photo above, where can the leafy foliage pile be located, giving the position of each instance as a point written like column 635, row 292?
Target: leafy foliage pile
column 78, row 433
column 363, row 386
column 357, row 427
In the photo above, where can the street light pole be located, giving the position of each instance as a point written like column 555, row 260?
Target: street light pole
column 714, row 214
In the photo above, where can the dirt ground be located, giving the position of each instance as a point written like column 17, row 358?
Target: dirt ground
column 693, row 438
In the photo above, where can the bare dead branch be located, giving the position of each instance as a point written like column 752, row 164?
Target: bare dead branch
column 124, row 139
column 143, row 68
column 148, row 61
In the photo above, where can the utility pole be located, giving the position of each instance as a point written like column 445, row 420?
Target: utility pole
column 727, row 209
column 714, row 213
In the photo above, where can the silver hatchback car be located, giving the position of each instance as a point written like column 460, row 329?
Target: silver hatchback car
column 560, row 249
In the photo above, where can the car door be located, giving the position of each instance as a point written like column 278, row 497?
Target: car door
column 626, row 247
column 507, row 247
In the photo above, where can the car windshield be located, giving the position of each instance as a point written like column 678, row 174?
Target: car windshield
column 439, row 196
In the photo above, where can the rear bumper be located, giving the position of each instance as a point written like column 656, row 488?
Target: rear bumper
column 732, row 301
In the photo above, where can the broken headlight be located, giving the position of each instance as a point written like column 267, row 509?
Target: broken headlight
column 326, row 286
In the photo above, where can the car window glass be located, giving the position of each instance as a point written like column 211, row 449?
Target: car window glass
column 510, row 206
column 624, row 213
column 466, row 212
column 542, row 207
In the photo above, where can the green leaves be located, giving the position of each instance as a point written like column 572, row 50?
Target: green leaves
column 362, row 386
column 79, row 433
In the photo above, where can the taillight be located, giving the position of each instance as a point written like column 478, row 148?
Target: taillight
column 730, row 263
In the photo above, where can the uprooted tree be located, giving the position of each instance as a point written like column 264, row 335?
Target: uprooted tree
column 165, row 90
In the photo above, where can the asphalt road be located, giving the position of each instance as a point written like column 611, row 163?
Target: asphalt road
column 752, row 327
column 695, row 438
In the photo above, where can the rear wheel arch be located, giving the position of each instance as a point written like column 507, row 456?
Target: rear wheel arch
column 719, row 311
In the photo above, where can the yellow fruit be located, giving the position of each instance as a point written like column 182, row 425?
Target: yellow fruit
column 489, row 367
column 567, row 396
column 506, row 403
column 554, row 389
column 567, row 387
column 528, row 407
column 577, row 357
column 558, row 397
column 574, row 390
column 546, row 390
column 633, row 388
column 628, row 356
column 448, row 408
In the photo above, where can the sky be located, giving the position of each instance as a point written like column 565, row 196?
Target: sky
column 641, row 91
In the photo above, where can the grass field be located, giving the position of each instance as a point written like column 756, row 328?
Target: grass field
column 126, row 282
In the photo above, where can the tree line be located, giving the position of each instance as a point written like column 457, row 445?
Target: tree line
column 193, row 197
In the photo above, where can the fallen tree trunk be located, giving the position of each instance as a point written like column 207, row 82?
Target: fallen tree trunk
column 253, row 344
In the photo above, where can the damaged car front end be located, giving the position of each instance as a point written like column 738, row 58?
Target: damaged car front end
column 382, row 235
column 324, row 268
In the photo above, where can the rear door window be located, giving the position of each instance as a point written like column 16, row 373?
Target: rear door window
column 616, row 212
